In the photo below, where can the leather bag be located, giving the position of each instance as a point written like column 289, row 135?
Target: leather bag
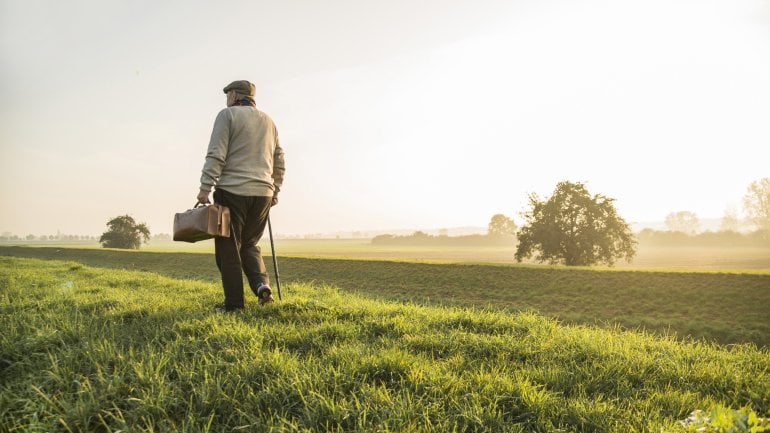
column 202, row 222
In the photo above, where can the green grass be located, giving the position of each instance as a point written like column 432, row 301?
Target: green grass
column 723, row 307
column 93, row 349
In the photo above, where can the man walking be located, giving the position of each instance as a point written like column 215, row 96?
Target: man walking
column 245, row 163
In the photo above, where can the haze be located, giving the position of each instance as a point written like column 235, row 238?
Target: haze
column 393, row 115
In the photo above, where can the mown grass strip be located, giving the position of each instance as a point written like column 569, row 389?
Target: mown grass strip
column 87, row 349
column 727, row 308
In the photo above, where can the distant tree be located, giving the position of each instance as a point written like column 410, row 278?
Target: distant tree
column 501, row 225
column 124, row 232
column 383, row 239
column 756, row 203
column 161, row 237
column 682, row 221
column 730, row 221
column 30, row 237
column 574, row 228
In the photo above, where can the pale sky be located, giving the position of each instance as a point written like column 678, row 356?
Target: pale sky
column 393, row 114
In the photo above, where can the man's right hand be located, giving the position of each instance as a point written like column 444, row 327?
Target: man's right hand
column 274, row 201
column 203, row 197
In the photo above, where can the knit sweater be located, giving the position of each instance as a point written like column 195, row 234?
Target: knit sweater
column 244, row 156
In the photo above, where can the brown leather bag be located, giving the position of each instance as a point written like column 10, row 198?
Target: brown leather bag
column 200, row 223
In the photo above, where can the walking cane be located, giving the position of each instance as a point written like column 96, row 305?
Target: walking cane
column 275, row 260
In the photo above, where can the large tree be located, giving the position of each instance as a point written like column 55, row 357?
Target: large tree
column 500, row 225
column 574, row 228
column 756, row 203
column 124, row 232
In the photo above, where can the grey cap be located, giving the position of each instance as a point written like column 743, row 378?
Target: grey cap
column 243, row 87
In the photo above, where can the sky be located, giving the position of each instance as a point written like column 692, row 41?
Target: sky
column 393, row 114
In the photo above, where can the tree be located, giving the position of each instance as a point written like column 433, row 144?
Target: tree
column 500, row 225
column 574, row 228
column 730, row 221
column 124, row 232
column 683, row 221
column 756, row 203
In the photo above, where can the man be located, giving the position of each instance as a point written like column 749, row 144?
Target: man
column 245, row 163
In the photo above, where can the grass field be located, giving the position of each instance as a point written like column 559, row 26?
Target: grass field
column 104, row 350
column 723, row 307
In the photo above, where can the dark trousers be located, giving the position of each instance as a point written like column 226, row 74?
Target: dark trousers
column 248, row 217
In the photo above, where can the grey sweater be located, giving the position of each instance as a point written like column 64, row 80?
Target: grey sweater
column 244, row 156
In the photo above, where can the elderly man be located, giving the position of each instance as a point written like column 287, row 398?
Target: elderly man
column 245, row 163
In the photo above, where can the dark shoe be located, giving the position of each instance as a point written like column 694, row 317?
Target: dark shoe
column 264, row 294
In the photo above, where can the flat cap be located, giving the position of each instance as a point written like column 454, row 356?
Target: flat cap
column 242, row 86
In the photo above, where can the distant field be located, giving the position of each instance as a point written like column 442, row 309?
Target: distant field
column 716, row 306
column 648, row 256
column 701, row 258
column 90, row 349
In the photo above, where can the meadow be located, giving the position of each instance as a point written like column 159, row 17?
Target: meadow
column 726, row 307
column 100, row 349
column 649, row 255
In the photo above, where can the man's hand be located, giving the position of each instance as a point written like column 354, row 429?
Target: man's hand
column 274, row 201
column 203, row 197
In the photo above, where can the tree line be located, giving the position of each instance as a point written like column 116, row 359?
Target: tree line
column 571, row 227
column 422, row 238
column 9, row 237
column 576, row 228
column 59, row 237
column 721, row 238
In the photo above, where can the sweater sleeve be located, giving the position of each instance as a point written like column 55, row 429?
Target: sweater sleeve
column 279, row 164
column 217, row 151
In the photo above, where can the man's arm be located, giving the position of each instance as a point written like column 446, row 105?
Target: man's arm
column 215, row 156
column 279, row 167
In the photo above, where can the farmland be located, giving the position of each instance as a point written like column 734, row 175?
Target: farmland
column 727, row 257
column 90, row 346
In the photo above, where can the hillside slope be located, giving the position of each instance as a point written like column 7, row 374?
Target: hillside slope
column 87, row 349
